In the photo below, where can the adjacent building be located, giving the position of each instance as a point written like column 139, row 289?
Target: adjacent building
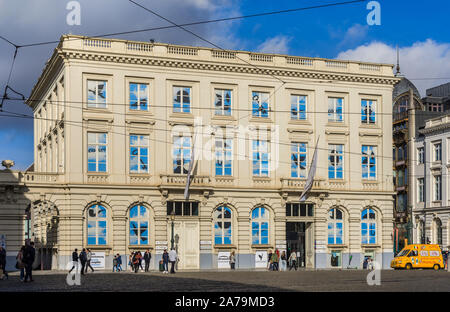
column 118, row 125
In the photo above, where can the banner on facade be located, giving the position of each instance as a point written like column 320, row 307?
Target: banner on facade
column 98, row 260
column 223, row 260
column 261, row 259
column 3, row 241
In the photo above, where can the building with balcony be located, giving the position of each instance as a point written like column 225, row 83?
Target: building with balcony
column 117, row 129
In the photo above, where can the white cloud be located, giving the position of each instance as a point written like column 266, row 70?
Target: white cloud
column 426, row 59
column 278, row 44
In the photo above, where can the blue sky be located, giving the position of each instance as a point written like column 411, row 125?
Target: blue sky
column 420, row 28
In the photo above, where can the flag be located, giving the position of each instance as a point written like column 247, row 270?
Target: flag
column 191, row 166
column 311, row 174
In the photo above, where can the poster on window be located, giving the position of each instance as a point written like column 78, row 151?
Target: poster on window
column 98, row 260
column 261, row 259
column 223, row 260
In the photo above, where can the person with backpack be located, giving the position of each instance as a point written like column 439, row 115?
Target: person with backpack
column 83, row 260
column 119, row 262
column 147, row 258
column 88, row 263
column 28, row 259
column 74, row 260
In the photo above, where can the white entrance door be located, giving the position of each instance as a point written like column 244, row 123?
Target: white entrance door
column 187, row 244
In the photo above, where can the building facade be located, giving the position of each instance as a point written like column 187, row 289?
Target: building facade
column 118, row 124
column 431, row 211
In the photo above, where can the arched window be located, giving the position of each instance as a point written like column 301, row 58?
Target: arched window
column 139, row 225
column 260, row 226
column 96, row 225
column 335, row 226
column 437, row 239
column 368, row 227
column 222, row 225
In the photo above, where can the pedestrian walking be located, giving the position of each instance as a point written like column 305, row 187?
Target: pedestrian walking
column 140, row 260
column 88, row 262
column 115, row 263
column 269, row 260
column 136, row 259
column 173, row 259
column 83, row 260
column 3, row 273
column 283, row 261
column 74, row 260
column 232, row 260
column 28, row 259
column 130, row 261
column 275, row 261
column 119, row 262
column 293, row 260
column 147, row 258
column 165, row 258
column 19, row 264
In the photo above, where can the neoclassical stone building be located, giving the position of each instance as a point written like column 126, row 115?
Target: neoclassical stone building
column 114, row 140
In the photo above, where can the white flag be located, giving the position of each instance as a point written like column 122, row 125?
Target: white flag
column 311, row 174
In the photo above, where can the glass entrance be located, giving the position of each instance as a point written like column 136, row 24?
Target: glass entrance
column 295, row 240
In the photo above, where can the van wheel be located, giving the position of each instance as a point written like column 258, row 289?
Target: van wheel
column 408, row 266
column 436, row 267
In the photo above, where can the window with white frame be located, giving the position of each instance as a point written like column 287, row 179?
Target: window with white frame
column 139, row 97
column 420, row 185
column 181, row 154
column 420, row 155
column 437, row 151
column 260, row 104
column 139, row 225
column 368, row 227
column 437, row 187
column 224, row 150
column 335, row 109
column 96, row 93
column 139, row 153
column 298, row 107
column 298, row 160
column 368, row 162
column 335, row 226
column 222, row 102
column 222, row 226
column 260, row 226
column 182, row 99
column 97, row 152
column 335, row 161
column 368, row 109
column 96, row 225
column 260, row 158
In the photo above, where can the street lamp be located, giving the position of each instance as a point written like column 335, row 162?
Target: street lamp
column 172, row 218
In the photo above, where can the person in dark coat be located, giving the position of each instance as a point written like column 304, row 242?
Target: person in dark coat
column 3, row 261
column 28, row 259
column 147, row 258
column 165, row 258
column 74, row 259
column 83, row 260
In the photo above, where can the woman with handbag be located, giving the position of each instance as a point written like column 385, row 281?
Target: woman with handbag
column 19, row 264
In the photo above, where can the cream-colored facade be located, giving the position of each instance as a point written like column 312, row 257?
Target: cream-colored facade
column 62, row 188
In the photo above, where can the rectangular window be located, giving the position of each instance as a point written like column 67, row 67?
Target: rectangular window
column 335, row 109
column 222, row 102
column 298, row 160
column 96, row 93
column 420, row 190
column 437, row 152
column 420, row 155
column 224, row 148
column 260, row 104
column 368, row 109
column 179, row 208
column 181, row 99
column 335, row 161
column 438, row 187
column 260, row 158
column 368, row 162
column 299, row 210
column 181, row 154
column 97, row 147
column 298, row 107
column 336, row 258
column 139, row 96
column 139, row 153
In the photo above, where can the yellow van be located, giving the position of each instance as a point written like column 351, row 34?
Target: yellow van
column 419, row 256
